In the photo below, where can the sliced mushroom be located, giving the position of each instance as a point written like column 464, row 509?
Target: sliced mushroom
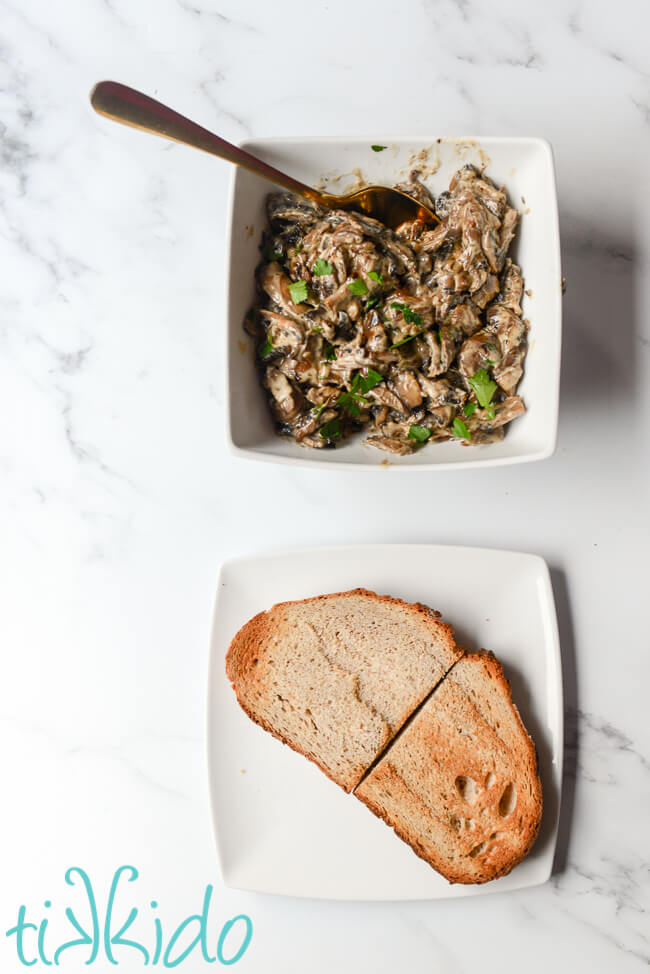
column 441, row 392
column 391, row 444
column 407, row 388
column 286, row 398
column 396, row 324
column 481, row 351
column 284, row 332
column 383, row 395
column 504, row 412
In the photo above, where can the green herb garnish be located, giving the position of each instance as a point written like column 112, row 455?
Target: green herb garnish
column 330, row 352
column 419, row 433
column 484, row 387
column 330, row 429
column 409, row 338
column 373, row 275
column 378, row 148
column 272, row 255
column 372, row 302
column 321, row 268
column 358, row 287
column 267, row 347
column 490, row 412
column 298, row 291
column 367, row 382
column 298, row 249
column 360, row 385
column 460, row 430
column 410, row 317
column 347, row 401
column 492, row 347
column 470, row 408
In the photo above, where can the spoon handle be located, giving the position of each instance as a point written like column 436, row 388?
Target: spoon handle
column 131, row 107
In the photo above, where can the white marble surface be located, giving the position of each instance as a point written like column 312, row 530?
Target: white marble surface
column 119, row 500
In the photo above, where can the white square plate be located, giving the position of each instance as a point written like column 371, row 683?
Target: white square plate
column 281, row 825
column 523, row 165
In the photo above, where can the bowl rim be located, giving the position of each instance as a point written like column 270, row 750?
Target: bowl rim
column 389, row 462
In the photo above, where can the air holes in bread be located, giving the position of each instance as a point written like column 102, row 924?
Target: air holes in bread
column 466, row 788
column 508, row 800
column 490, row 779
column 477, row 850
column 458, row 824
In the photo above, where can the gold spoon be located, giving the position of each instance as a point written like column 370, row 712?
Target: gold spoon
column 131, row 107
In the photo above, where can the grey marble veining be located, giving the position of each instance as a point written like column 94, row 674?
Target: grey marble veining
column 119, row 498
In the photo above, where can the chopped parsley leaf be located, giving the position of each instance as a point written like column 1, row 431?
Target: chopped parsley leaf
column 372, row 302
column 460, row 430
column 330, row 352
column 298, row 291
column 492, row 347
column 374, row 276
column 367, row 382
column 298, row 249
column 484, row 387
column 316, row 329
column 358, row 287
column 321, row 268
column 378, row 148
column 409, row 338
column 360, row 385
column 267, row 347
column 490, row 412
column 419, row 433
column 349, row 400
column 330, row 429
column 410, row 317
column 470, row 408
column 317, row 410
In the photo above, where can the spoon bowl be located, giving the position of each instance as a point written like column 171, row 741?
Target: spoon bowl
column 130, row 107
column 391, row 207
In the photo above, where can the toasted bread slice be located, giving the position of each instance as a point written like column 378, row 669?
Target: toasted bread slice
column 336, row 676
column 460, row 783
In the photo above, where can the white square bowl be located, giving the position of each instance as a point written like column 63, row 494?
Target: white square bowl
column 523, row 165
column 281, row 825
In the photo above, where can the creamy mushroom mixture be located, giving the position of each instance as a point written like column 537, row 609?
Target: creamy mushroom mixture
column 412, row 336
